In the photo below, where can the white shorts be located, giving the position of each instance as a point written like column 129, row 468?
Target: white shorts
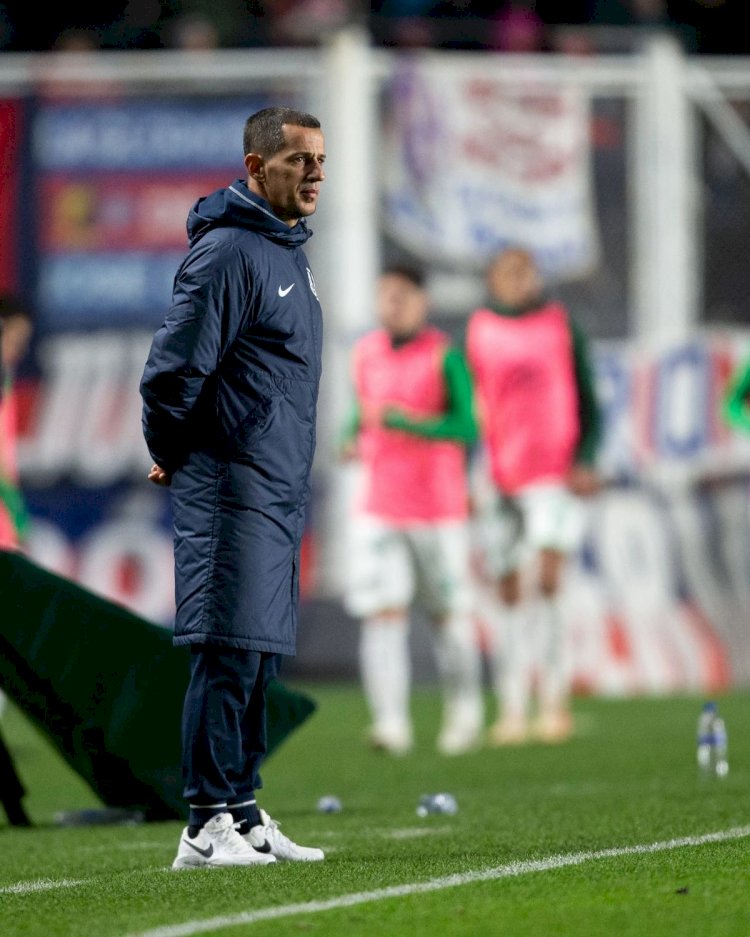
column 513, row 528
column 394, row 567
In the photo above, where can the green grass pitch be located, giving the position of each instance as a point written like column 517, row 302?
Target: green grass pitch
column 608, row 835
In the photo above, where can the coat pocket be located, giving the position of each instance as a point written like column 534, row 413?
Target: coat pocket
column 253, row 425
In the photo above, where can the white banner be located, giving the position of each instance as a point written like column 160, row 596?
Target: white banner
column 473, row 163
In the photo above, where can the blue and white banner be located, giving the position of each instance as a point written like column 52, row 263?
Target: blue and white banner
column 473, row 163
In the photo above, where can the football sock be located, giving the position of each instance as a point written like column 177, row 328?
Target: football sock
column 200, row 815
column 512, row 660
column 553, row 680
column 386, row 667
column 246, row 813
column 460, row 666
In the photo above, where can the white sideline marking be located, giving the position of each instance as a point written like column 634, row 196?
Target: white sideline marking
column 414, row 832
column 39, row 884
column 125, row 847
column 437, row 884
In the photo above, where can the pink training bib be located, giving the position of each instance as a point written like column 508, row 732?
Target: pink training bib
column 8, row 467
column 409, row 478
column 525, row 381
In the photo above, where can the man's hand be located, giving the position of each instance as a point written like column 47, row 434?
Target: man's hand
column 371, row 413
column 158, row 476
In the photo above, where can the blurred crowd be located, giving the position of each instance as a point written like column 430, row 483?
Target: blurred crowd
column 702, row 26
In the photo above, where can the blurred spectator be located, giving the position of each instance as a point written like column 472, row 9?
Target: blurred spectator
column 306, row 22
column 193, row 32
column 413, row 32
column 137, row 27
column 572, row 40
column 231, row 24
column 17, row 327
column 77, row 39
column 712, row 26
column 513, row 25
column 403, row 23
column 518, row 27
column 54, row 77
column 706, row 26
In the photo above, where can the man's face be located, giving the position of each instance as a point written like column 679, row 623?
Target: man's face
column 402, row 305
column 514, row 279
column 290, row 179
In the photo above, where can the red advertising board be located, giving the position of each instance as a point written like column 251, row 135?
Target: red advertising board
column 10, row 136
column 120, row 211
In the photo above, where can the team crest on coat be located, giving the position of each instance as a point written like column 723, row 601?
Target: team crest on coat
column 311, row 281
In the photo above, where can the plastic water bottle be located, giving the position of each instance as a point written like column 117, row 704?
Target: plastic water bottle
column 711, row 751
column 721, row 765
column 329, row 804
column 705, row 739
column 436, row 803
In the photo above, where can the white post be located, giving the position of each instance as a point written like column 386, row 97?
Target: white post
column 666, row 275
column 353, row 186
column 350, row 212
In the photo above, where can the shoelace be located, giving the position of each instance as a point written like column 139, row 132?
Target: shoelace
column 231, row 839
column 273, row 829
column 277, row 837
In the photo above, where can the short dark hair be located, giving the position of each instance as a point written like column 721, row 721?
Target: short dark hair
column 264, row 133
column 410, row 272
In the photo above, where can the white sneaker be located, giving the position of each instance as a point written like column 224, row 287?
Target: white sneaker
column 391, row 737
column 218, row 844
column 462, row 729
column 509, row 730
column 554, row 726
column 459, row 739
column 281, row 846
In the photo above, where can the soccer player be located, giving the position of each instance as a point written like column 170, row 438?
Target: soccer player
column 411, row 428
column 16, row 329
column 230, row 392
column 736, row 401
column 735, row 404
column 541, row 426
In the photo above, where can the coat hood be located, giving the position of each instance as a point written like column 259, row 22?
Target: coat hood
column 238, row 207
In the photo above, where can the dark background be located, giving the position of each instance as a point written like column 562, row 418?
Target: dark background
column 704, row 26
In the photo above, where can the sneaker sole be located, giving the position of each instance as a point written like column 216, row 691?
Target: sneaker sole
column 184, row 864
column 300, row 858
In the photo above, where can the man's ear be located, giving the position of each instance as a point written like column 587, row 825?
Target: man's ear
column 255, row 165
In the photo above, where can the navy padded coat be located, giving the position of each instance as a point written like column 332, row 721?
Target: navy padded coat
column 229, row 392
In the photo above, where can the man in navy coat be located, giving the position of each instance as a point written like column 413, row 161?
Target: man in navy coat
column 229, row 394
